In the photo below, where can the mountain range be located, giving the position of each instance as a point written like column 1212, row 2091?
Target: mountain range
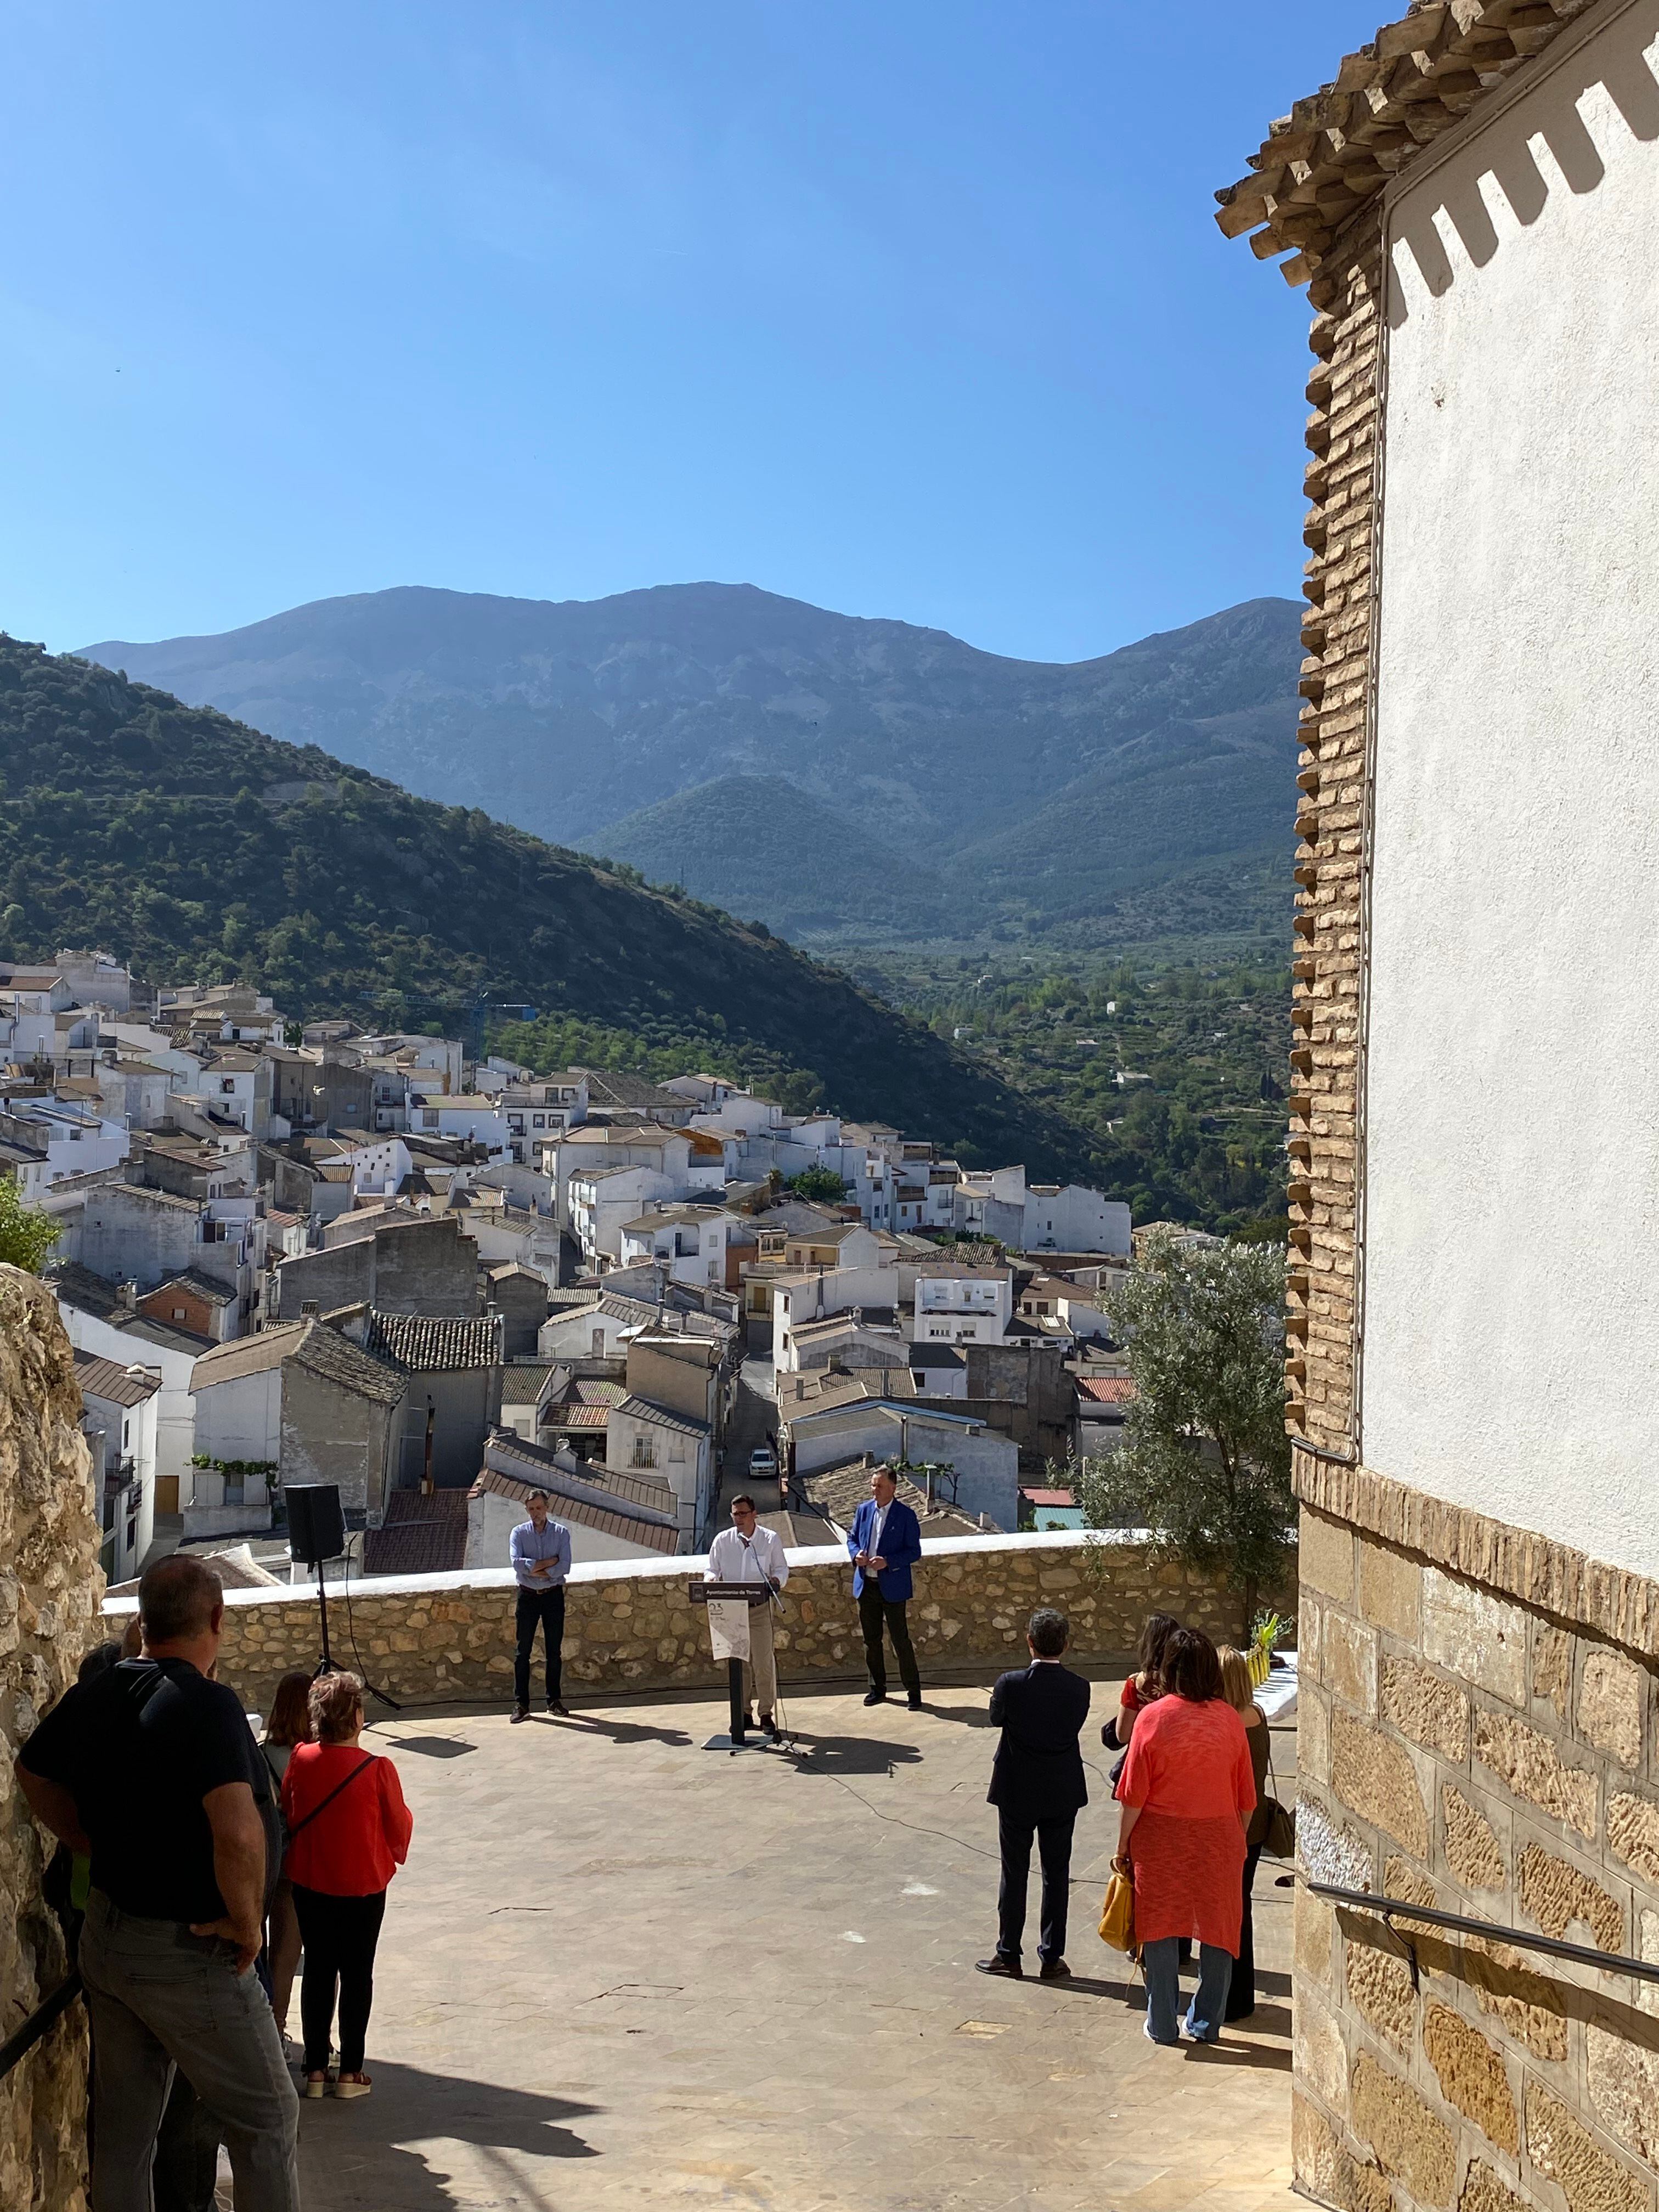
column 199, row 850
column 844, row 780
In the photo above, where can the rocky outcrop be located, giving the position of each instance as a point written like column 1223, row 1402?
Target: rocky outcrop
column 50, row 1589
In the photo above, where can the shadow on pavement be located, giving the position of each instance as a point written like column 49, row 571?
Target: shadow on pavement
column 618, row 1731
column 852, row 1754
column 434, row 1746
column 364, row 2154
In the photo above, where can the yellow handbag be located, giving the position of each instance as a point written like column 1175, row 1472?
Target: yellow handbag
column 1117, row 1914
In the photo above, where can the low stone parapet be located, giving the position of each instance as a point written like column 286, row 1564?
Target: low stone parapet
column 629, row 1625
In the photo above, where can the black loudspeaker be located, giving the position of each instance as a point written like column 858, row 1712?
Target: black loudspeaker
column 316, row 1527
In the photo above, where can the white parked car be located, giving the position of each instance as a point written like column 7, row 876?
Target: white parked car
column 763, row 1464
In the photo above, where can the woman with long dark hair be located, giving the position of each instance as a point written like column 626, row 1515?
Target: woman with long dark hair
column 1143, row 1686
column 349, row 1831
column 1187, row 1795
column 287, row 1724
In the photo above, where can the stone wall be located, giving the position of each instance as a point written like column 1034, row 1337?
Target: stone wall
column 50, row 1585
column 631, row 1627
column 1465, row 1743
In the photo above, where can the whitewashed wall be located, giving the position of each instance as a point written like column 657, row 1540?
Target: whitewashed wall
column 1512, row 1313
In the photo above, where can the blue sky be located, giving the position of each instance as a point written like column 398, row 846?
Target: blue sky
column 915, row 310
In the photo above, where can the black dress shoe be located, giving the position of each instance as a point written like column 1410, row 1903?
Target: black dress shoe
column 556, row 1706
column 521, row 1713
column 1054, row 1969
column 996, row 1964
column 915, row 1701
column 875, row 1697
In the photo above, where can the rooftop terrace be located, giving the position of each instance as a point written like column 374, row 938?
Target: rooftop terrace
column 621, row 1971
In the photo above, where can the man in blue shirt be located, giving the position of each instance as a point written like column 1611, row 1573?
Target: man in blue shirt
column 540, row 1552
column 885, row 1542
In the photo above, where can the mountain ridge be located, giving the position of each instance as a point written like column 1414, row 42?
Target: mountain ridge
column 573, row 718
column 200, row 850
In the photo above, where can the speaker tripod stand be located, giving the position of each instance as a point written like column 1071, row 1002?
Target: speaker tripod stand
column 325, row 1664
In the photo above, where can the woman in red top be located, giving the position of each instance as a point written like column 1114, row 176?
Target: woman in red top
column 1187, row 1796
column 349, row 1831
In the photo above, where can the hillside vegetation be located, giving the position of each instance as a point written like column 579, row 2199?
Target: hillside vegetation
column 846, row 780
column 200, row 850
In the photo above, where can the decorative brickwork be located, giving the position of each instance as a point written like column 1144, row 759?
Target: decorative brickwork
column 1331, row 818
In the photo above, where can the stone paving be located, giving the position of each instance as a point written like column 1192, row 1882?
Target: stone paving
column 621, row 1971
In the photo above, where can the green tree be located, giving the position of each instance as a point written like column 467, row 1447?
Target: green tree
column 25, row 1236
column 821, row 1183
column 1204, row 1463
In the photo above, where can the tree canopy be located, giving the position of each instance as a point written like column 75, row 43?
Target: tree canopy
column 1204, row 1463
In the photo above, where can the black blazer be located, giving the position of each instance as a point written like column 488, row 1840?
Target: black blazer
column 1038, row 1770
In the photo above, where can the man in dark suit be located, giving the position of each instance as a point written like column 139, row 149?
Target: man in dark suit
column 885, row 1542
column 1037, row 1788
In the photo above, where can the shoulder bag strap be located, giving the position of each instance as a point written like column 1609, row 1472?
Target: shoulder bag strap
column 368, row 1761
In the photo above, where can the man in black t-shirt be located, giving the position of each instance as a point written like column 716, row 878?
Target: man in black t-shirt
column 151, row 1769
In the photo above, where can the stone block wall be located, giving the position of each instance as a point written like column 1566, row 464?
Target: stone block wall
column 1463, row 1743
column 631, row 1627
column 50, row 1586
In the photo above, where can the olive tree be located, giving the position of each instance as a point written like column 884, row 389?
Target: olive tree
column 26, row 1235
column 1204, row 1463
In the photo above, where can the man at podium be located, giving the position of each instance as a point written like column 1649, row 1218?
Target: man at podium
column 747, row 1552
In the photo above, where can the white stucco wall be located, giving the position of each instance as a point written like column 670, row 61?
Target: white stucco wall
column 1511, row 1313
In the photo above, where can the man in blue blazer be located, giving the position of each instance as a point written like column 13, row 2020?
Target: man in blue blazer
column 885, row 1542
column 1037, row 1788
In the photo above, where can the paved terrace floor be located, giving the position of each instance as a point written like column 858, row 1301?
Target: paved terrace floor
column 621, row 1971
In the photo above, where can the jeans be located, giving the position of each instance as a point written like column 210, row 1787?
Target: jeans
column 1159, row 1963
column 1053, row 1842
column 160, row 1998
column 874, row 1610
column 340, row 1934
column 1240, row 1994
column 546, row 1607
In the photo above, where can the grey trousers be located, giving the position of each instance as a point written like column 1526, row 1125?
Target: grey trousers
column 159, row 1996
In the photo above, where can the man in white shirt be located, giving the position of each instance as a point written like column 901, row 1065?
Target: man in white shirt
column 746, row 1553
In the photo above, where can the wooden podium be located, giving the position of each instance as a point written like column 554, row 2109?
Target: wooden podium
column 753, row 1594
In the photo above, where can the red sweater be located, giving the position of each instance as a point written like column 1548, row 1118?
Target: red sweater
column 354, row 1847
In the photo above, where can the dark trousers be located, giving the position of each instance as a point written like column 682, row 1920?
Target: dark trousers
column 187, row 2170
column 873, row 1610
column 339, row 1934
column 546, row 1607
column 1054, row 1843
column 1240, row 1994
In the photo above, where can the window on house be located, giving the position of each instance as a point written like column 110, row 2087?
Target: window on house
column 178, row 1313
column 538, row 1121
column 227, row 1085
column 644, row 1452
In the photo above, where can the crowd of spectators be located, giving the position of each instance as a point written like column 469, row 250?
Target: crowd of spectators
column 193, row 1862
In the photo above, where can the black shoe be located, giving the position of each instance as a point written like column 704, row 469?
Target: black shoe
column 521, row 1713
column 996, row 1964
column 875, row 1697
column 1054, row 1969
column 557, row 1705
column 915, row 1701
column 770, row 1729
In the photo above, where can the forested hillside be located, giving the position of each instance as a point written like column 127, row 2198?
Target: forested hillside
column 200, row 850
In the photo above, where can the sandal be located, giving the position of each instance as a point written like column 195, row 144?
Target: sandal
column 317, row 2085
column 352, row 2085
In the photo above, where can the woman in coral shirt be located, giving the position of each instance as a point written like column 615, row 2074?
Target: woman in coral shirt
column 349, row 1831
column 1187, row 1796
